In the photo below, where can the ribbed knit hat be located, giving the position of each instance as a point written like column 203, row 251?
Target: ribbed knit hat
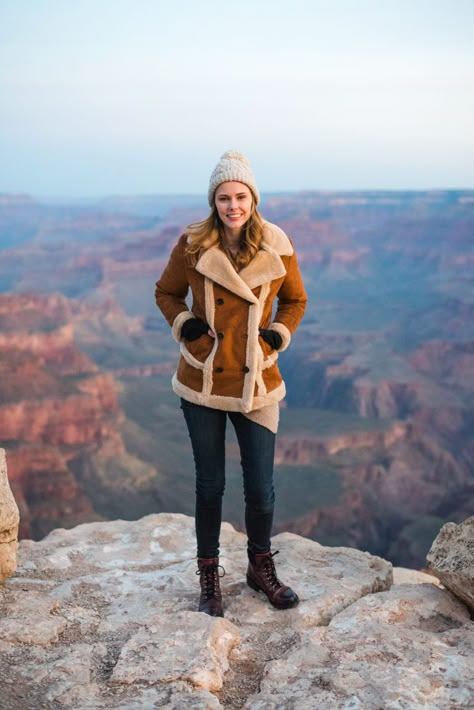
column 232, row 166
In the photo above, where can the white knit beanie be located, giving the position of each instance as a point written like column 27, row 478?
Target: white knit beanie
column 232, row 166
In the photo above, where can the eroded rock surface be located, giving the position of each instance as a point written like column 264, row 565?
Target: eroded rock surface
column 451, row 558
column 104, row 616
column 411, row 647
column 9, row 520
column 403, row 575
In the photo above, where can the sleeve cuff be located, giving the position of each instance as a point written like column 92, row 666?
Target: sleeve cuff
column 283, row 331
column 178, row 324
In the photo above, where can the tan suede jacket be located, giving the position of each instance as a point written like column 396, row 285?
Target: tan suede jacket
column 237, row 370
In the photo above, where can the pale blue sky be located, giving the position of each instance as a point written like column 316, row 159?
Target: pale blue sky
column 142, row 96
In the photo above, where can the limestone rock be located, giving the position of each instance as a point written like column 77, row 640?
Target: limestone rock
column 41, row 609
column 104, row 616
column 451, row 558
column 403, row 575
column 187, row 646
column 9, row 520
column 411, row 647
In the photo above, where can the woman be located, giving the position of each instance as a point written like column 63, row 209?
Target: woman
column 236, row 265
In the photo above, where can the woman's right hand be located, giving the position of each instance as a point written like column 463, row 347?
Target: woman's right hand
column 193, row 328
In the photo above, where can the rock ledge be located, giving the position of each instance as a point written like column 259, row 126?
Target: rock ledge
column 103, row 616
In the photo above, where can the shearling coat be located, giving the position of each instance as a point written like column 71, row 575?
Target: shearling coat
column 237, row 370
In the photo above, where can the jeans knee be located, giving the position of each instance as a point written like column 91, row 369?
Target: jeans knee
column 262, row 502
column 209, row 493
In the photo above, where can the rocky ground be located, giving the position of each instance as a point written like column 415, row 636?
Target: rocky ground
column 104, row 616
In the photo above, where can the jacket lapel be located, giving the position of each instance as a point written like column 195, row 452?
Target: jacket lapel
column 215, row 265
column 264, row 267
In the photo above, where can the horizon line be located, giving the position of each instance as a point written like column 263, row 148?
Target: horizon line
column 37, row 197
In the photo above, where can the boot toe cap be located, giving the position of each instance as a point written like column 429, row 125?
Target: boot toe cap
column 287, row 598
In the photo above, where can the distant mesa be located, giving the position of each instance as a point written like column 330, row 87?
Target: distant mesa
column 15, row 198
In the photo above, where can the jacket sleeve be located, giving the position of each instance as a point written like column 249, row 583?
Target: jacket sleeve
column 172, row 288
column 292, row 301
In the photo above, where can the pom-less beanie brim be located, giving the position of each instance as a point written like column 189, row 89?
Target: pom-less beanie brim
column 232, row 166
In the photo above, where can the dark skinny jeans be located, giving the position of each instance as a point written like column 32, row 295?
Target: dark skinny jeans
column 206, row 428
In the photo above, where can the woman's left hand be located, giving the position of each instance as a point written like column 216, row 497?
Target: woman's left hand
column 271, row 337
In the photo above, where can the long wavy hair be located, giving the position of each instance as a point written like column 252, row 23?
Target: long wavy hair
column 210, row 231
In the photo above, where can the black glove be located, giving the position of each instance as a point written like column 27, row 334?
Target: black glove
column 271, row 337
column 193, row 328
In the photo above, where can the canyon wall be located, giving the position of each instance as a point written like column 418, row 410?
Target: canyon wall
column 59, row 417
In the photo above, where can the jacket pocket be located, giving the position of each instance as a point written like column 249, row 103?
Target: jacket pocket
column 196, row 352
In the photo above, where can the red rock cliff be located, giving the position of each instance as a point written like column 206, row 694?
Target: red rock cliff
column 56, row 408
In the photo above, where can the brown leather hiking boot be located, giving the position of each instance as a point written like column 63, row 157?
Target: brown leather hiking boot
column 210, row 601
column 261, row 576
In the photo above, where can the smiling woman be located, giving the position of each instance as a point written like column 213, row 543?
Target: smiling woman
column 236, row 264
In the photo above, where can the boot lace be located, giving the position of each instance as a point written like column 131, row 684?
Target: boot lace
column 269, row 571
column 210, row 579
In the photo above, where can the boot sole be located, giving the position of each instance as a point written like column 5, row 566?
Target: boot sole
column 218, row 614
column 257, row 588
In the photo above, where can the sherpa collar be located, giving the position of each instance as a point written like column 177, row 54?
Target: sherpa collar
column 264, row 267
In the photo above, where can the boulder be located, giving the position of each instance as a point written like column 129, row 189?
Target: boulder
column 9, row 521
column 451, row 558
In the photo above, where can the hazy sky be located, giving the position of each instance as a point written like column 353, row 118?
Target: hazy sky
column 142, row 96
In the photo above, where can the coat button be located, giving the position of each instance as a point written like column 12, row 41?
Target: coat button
column 220, row 335
column 246, row 369
column 219, row 301
column 219, row 369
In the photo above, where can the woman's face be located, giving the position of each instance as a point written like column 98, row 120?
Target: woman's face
column 234, row 205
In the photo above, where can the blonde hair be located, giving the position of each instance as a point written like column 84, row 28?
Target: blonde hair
column 209, row 232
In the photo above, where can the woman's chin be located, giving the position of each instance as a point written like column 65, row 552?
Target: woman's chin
column 234, row 225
